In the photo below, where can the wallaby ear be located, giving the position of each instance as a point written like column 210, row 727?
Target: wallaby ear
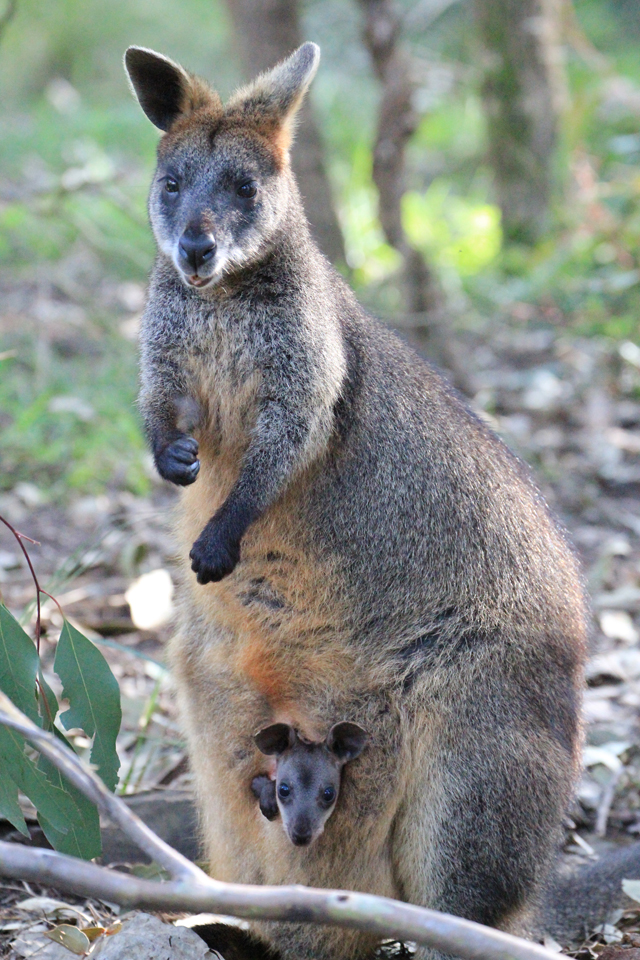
column 275, row 739
column 275, row 96
column 164, row 90
column 347, row 740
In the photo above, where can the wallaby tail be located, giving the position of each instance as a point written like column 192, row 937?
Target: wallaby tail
column 578, row 902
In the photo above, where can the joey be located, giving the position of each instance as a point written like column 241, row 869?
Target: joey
column 307, row 776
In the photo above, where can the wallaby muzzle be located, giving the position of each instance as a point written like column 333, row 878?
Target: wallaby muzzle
column 195, row 249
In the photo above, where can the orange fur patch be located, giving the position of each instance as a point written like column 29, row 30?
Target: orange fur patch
column 259, row 665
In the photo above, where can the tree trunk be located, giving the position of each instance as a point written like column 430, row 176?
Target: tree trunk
column 267, row 31
column 523, row 92
column 397, row 121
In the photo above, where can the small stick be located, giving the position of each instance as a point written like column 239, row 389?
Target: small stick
column 604, row 807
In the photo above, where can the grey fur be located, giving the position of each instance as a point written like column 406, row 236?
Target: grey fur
column 381, row 555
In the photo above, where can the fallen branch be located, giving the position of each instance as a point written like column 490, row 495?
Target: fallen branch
column 92, row 787
column 192, row 890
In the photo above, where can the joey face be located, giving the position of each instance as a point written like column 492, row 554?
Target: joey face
column 307, row 787
column 217, row 200
column 308, row 774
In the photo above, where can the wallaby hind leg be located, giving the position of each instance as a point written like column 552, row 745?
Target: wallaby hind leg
column 477, row 834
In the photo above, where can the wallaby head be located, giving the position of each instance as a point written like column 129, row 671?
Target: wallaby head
column 308, row 774
column 223, row 185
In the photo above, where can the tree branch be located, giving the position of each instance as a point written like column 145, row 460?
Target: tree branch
column 92, row 787
column 192, row 890
column 385, row 918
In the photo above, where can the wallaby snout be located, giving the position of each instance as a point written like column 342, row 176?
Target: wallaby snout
column 301, row 832
column 195, row 249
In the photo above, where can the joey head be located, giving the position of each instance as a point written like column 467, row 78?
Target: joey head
column 308, row 775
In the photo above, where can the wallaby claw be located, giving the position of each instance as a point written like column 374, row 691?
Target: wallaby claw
column 178, row 461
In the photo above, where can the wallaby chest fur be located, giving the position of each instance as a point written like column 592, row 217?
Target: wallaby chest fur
column 364, row 547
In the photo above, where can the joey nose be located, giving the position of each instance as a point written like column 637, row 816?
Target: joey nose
column 301, row 833
column 301, row 839
column 195, row 249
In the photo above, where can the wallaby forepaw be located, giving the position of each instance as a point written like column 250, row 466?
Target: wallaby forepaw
column 213, row 557
column 264, row 788
column 178, row 461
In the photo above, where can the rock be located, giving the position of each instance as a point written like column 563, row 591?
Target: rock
column 144, row 937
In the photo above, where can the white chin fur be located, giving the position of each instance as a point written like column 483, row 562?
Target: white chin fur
column 225, row 262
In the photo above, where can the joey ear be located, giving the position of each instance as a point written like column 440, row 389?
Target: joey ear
column 275, row 96
column 274, row 740
column 347, row 740
column 164, row 90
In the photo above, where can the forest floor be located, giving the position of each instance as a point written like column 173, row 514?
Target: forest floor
column 568, row 405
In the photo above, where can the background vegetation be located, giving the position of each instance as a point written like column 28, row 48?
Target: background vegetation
column 76, row 155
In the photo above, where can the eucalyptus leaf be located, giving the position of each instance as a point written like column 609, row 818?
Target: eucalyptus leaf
column 82, row 836
column 9, row 806
column 50, row 800
column 70, row 937
column 18, row 665
column 94, row 699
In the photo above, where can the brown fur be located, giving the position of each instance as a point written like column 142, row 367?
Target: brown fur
column 364, row 548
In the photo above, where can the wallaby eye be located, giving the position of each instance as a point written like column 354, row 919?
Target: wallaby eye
column 284, row 790
column 171, row 185
column 248, row 190
column 329, row 794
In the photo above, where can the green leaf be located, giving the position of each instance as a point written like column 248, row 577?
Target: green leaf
column 9, row 806
column 18, row 665
column 94, row 699
column 53, row 802
column 70, row 937
column 81, row 837
column 69, row 821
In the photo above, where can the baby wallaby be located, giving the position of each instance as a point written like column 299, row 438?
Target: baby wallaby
column 307, row 783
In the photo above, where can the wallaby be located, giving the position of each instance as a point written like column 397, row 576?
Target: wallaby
column 363, row 545
column 307, row 776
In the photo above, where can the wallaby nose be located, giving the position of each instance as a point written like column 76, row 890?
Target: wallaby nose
column 301, row 832
column 301, row 839
column 196, row 248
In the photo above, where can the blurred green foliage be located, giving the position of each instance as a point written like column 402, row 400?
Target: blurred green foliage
column 76, row 155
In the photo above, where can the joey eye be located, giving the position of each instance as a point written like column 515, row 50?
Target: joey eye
column 171, row 185
column 248, row 190
column 284, row 791
column 328, row 794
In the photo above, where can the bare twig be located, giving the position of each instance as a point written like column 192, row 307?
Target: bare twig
column 20, row 537
column 193, row 891
column 604, row 807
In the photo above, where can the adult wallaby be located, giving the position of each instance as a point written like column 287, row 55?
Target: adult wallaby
column 306, row 776
column 362, row 545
